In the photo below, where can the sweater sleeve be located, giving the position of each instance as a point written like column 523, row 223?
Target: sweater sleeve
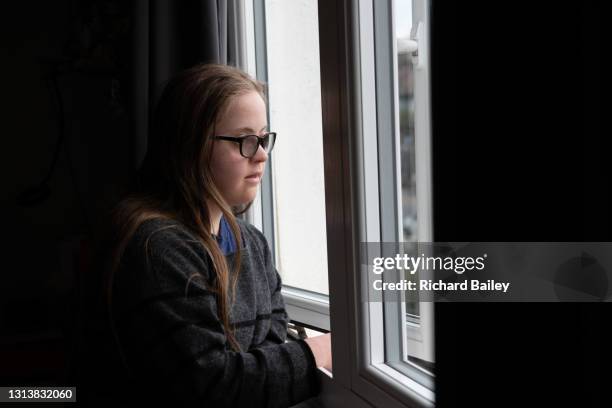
column 279, row 318
column 174, row 339
column 279, row 321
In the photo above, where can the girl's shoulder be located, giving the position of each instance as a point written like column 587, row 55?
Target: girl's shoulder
column 163, row 253
column 159, row 229
column 169, row 233
column 159, row 238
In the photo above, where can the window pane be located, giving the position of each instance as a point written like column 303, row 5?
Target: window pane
column 403, row 21
column 405, row 76
column 292, row 43
column 417, row 351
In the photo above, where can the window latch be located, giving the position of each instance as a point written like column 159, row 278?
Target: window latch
column 416, row 33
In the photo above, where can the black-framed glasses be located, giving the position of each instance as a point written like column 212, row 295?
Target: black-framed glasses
column 250, row 143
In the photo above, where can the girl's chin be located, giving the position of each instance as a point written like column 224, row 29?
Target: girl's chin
column 244, row 199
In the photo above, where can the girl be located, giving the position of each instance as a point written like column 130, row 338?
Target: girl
column 194, row 300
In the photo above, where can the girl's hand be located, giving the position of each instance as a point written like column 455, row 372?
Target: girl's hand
column 321, row 348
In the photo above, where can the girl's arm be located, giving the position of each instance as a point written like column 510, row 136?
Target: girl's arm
column 319, row 346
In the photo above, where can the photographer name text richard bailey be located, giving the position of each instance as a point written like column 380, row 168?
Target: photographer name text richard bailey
column 413, row 264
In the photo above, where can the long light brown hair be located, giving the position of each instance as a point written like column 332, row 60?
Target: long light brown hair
column 175, row 179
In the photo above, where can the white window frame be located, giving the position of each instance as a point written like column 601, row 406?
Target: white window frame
column 255, row 214
column 348, row 64
column 379, row 54
column 421, row 339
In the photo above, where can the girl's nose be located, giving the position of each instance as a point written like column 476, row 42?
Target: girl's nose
column 260, row 155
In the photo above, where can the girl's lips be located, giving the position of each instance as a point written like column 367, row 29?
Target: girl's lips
column 254, row 177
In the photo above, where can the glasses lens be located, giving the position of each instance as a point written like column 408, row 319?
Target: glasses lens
column 269, row 140
column 250, row 145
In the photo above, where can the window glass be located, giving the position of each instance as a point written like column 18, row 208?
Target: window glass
column 293, row 70
column 405, row 77
column 416, row 316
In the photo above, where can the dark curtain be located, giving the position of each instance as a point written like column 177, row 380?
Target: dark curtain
column 165, row 37
column 169, row 36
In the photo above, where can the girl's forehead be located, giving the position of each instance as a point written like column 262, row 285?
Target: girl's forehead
column 250, row 102
column 244, row 112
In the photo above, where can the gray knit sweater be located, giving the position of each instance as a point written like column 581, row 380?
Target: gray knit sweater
column 173, row 340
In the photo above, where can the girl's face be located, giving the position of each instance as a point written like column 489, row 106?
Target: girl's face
column 237, row 177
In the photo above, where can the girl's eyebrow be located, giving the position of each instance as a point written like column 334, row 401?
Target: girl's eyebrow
column 248, row 130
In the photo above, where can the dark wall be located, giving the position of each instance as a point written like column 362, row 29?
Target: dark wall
column 78, row 43
column 519, row 156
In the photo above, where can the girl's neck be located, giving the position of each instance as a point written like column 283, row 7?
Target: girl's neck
column 215, row 218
